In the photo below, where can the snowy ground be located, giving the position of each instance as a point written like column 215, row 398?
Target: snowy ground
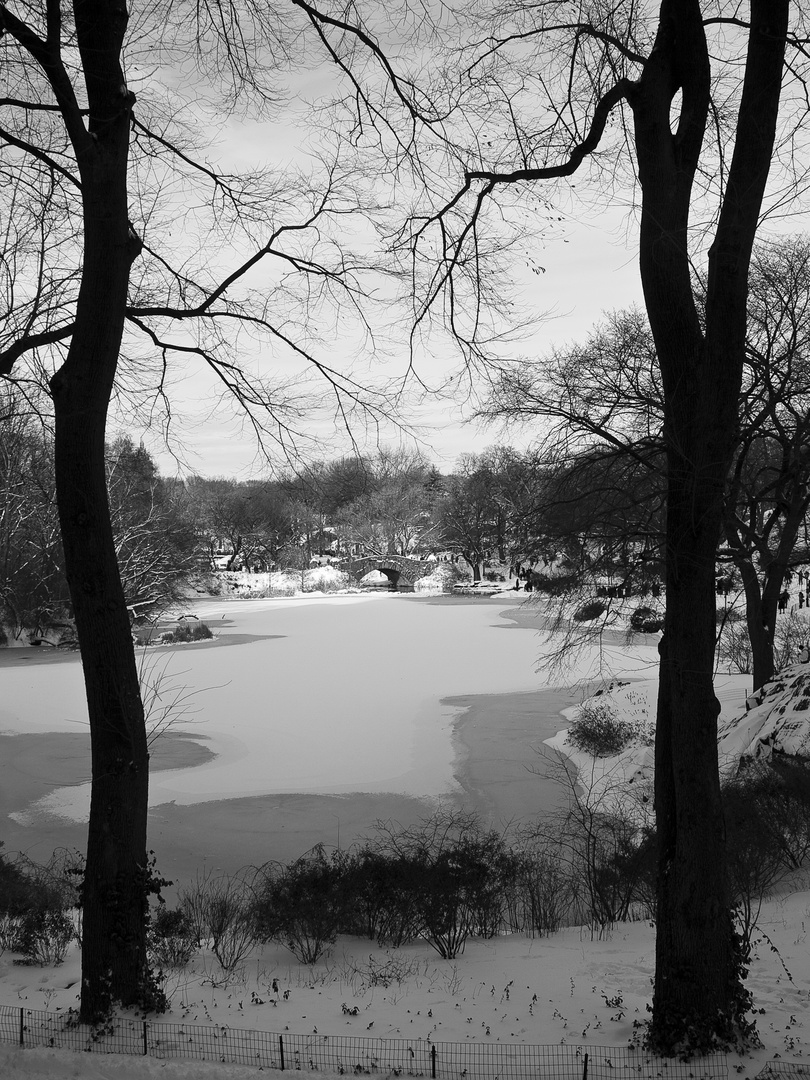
column 568, row 988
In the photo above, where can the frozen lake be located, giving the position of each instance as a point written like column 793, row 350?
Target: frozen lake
column 320, row 695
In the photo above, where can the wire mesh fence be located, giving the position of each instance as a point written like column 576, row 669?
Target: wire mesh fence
column 784, row 1068
column 345, row 1054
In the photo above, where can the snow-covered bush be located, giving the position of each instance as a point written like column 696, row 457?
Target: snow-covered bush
column 598, row 731
column 441, row 579
column 326, row 579
column 646, row 621
column 284, row 583
column 590, row 610
column 191, row 631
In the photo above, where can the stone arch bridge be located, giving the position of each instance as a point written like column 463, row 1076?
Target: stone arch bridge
column 393, row 566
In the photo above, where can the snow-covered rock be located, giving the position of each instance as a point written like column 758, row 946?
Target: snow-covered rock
column 778, row 722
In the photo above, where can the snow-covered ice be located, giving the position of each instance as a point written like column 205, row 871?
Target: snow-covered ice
column 325, row 695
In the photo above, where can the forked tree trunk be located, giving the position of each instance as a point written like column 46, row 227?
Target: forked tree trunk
column 699, row 1000
column 761, row 607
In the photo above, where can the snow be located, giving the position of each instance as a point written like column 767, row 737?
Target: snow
column 780, row 723
column 608, row 778
column 569, row 988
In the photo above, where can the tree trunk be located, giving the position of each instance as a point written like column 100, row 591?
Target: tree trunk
column 760, row 620
column 114, row 892
column 698, row 999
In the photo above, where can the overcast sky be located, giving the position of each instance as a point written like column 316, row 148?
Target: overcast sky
column 587, row 272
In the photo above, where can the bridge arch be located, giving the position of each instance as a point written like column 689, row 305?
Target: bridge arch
column 393, row 566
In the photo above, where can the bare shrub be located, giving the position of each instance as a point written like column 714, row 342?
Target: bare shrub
column 598, row 731
column 734, row 647
column 301, row 905
column 383, row 906
column 35, row 903
column 221, row 911
column 734, row 651
column 43, row 937
column 542, row 897
column 603, row 836
column 170, row 938
column 755, row 864
column 451, row 878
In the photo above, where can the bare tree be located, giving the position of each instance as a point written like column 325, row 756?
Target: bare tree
column 686, row 99
column 605, row 402
column 769, row 485
column 113, row 223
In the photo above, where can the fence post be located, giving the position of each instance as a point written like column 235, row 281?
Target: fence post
column 585, row 1069
column 281, row 1051
column 145, row 1041
column 433, row 1062
column 22, row 1027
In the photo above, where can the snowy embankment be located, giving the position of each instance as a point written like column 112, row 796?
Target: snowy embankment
column 777, row 720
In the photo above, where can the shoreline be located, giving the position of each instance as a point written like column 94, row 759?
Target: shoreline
column 497, row 742
column 495, row 739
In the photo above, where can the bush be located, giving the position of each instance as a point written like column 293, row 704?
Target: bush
column 755, row 861
column 19, row 893
column 221, row 910
column 190, row 631
column 541, row 896
column 734, row 645
column 302, row 905
column 383, row 899
column 445, row 879
column 729, row 615
column 596, row 730
column 590, row 610
column 43, row 937
column 171, row 938
column 377, row 910
column 287, row 583
column 441, row 579
column 646, row 621
column 26, row 886
column 326, row 579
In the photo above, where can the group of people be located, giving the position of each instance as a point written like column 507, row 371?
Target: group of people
column 784, row 600
column 803, row 580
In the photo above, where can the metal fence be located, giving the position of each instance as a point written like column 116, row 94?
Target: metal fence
column 344, row 1054
column 784, row 1068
